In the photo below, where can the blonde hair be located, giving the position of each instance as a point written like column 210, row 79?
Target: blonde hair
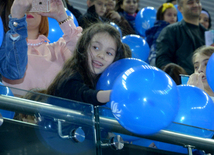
column 44, row 26
column 203, row 50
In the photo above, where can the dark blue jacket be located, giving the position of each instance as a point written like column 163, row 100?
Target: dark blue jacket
column 153, row 33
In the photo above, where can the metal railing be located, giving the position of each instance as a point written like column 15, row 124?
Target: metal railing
column 23, row 105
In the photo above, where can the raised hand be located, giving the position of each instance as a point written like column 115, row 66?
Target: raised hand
column 113, row 15
column 196, row 80
column 20, row 7
column 57, row 11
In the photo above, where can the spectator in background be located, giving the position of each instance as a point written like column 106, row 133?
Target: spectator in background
column 174, row 71
column 95, row 12
column 205, row 19
column 166, row 14
column 198, row 78
column 74, row 11
column 177, row 42
column 13, row 50
column 115, row 17
column 171, row 1
column 128, row 9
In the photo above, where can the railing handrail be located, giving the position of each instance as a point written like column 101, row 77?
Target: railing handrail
column 205, row 144
column 23, row 105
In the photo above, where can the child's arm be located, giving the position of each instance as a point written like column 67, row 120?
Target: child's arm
column 103, row 96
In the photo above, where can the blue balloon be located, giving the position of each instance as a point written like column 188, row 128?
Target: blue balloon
column 196, row 109
column 110, row 74
column 145, row 19
column 1, row 32
column 209, row 72
column 6, row 91
column 117, row 27
column 139, row 47
column 108, row 77
column 144, row 100
column 179, row 14
column 55, row 31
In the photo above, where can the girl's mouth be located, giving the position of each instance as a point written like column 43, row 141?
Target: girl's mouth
column 97, row 64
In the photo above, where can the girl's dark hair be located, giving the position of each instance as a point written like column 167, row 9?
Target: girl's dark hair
column 174, row 71
column 170, row 1
column 119, row 3
column 160, row 14
column 79, row 62
column 5, row 6
column 210, row 19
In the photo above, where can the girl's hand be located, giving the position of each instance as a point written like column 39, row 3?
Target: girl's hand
column 196, row 80
column 114, row 15
column 57, row 11
column 20, row 7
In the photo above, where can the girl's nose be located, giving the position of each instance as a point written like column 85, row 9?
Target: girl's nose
column 200, row 69
column 101, row 55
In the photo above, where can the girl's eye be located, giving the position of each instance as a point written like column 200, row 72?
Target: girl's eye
column 206, row 20
column 95, row 47
column 195, row 67
column 109, row 53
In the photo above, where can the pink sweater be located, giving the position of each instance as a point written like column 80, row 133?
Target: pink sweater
column 46, row 60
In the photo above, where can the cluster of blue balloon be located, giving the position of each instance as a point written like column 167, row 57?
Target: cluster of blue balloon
column 1, row 31
column 141, row 94
column 145, row 100
column 55, row 31
column 195, row 116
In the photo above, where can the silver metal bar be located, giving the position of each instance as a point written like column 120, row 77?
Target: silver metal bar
column 111, row 125
column 32, row 107
column 163, row 136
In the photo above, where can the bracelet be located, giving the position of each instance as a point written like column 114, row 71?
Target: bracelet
column 69, row 18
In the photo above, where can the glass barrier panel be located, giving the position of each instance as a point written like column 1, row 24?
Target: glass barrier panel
column 35, row 123
column 175, row 138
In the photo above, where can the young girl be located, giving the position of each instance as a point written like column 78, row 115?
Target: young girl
column 166, row 14
column 205, row 19
column 198, row 78
column 46, row 60
column 115, row 17
column 95, row 12
column 98, row 47
column 128, row 9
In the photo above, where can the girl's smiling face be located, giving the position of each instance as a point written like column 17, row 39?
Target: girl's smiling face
column 101, row 52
